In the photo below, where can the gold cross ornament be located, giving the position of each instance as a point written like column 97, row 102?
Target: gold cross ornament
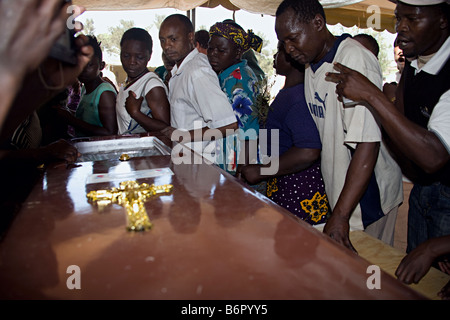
column 132, row 196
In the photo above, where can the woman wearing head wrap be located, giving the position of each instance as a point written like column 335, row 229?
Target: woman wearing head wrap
column 228, row 42
column 239, row 41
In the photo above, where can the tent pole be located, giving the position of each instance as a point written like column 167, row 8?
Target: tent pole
column 191, row 15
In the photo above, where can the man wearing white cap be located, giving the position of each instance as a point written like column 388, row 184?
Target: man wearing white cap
column 418, row 127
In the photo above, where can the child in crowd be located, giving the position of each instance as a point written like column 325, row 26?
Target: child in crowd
column 369, row 42
column 142, row 103
column 96, row 111
column 165, row 71
column 202, row 40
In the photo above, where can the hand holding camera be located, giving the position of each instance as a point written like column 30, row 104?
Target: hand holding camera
column 28, row 30
column 64, row 49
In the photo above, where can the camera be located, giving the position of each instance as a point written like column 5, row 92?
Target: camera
column 64, row 48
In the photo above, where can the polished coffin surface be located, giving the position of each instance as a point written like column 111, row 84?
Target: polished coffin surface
column 212, row 238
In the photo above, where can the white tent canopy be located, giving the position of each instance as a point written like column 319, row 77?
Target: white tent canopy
column 264, row 6
column 347, row 12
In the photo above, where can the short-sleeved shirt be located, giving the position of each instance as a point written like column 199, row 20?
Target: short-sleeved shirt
column 88, row 107
column 196, row 99
column 288, row 114
column 141, row 87
column 342, row 128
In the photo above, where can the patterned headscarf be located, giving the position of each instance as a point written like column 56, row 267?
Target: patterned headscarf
column 244, row 40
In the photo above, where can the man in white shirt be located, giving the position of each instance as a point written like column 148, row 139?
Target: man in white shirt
column 197, row 104
column 363, row 183
column 418, row 126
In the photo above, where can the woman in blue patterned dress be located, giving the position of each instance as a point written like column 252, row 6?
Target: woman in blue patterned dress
column 228, row 42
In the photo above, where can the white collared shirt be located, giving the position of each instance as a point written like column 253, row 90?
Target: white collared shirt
column 195, row 95
column 439, row 122
column 197, row 101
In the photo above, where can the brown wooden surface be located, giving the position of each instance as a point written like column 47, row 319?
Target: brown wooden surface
column 212, row 238
column 388, row 258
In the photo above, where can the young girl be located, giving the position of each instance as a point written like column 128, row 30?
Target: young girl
column 142, row 103
column 96, row 111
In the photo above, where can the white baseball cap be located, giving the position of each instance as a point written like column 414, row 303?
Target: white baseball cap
column 422, row 2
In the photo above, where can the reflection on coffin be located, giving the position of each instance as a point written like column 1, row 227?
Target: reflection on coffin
column 96, row 150
column 212, row 238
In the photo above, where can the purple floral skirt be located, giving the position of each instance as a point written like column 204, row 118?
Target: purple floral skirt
column 302, row 193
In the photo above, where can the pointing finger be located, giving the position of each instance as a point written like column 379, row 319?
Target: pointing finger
column 333, row 77
column 341, row 68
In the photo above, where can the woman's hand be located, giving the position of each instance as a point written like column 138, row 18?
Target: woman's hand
column 250, row 173
column 132, row 104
